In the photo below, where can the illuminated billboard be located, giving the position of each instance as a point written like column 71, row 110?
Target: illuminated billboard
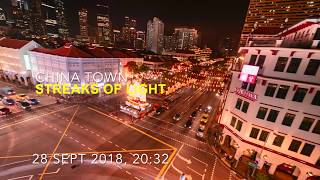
column 249, row 73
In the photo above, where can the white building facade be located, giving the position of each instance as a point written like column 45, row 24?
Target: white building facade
column 155, row 32
column 276, row 120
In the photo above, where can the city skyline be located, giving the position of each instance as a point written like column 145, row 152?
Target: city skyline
column 204, row 16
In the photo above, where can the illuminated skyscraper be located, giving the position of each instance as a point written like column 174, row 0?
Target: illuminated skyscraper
column 63, row 30
column 185, row 38
column 48, row 13
column 83, row 21
column 21, row 16
column 3, row 19
column 155, row 31
column 277, row 14
column 104, row 29
column 37, row 24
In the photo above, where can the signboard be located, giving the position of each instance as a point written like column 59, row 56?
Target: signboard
column 246, row 94
column 249, row 73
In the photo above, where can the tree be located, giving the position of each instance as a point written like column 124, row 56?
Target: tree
column 144, row 68
column 132, row 66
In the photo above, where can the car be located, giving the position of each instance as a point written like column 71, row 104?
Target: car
column 1, row 97
column 193, row 114
column 199, row 107
column 8, row 101
column 24, row 105
column 21, row 97
column 188, row 123
column 177, row 117
column 204, row 117
column 208, row 109
column 200, row 133
column 202, row 125
column 159, row 110
column 32, row 101
column 4, row 110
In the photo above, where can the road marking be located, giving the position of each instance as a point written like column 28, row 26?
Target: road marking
column 54, row 172
column 128, row 172
column 200, row 161
column 83, row 145
column 137, row 178
column 202, row 175
column 214, row 167
column 156, row 168
column 57, row 145
column 28, row 176
column 119, row 167
column 89, row 149
column 176, row 169
column 38, row 116
column 110, row 142
column 117, row 145
column 188, row 161
column 76, row 141
column 17, row 162
column 171, row 162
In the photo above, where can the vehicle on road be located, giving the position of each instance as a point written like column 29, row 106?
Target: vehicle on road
column 24, row 105
column 204, row 117
column 4, row 110
column 32, row 101
column 159, row 111
column 199, row 108
column 7, row 91
column 189, row 123
column 200, row 133
column 177, row 117
column 2, row 97
column 202, row 125
column 8, row 101
column 21, row 97
column 208, row 109
column 193, row 114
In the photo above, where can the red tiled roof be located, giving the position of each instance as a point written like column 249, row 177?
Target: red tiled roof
column 98, row 52
column 13, row 43
column 297, row 28
column 65, row 51
column 117, row 53
column 130, row 54
column 267, row 30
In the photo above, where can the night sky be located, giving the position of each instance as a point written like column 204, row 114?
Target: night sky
column 214, row 19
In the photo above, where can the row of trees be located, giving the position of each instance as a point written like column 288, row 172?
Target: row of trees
column 135, row 68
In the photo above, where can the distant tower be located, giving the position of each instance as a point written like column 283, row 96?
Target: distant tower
column 83, row 21
column 21, row 16
column 37, row 23
column 155, row 30
column 104, row 29
column 49, row 16
column 185, row 38
column 63, row 30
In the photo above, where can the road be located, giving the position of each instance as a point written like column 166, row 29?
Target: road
column 151, row 147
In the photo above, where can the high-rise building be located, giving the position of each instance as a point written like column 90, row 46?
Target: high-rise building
column 63, row 29
column 185, row 38
column 116, row 37
column 48, row 12
column 168, row 43
column 141, row 40
column 155, row 31
column 83, row 22
column 21, row 16
column 271, row 112
column 275, row 14
column 38, row 27
column 104, row 30
column 3, row 19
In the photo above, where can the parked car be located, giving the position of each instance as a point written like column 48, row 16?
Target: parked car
column 24, row 105
column 8, row 101
column 208, row 109
column 202, row 125
column 7, row 91
column 193, row 114
column 159, row 110
column 4, row 110
column 32, row 101
column 204, row 117
column 177, row 117
column 21, row 97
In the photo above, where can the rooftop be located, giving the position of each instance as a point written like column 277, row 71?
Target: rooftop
column 13, row 43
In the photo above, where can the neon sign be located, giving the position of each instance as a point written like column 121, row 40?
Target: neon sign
column 246, row 94
column 249, row 74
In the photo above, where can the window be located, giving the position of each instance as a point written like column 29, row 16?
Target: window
column 271, row 89
column 294, row 65
column 278, row 140
column 239, row 103
column 273, row 114
column 282, row 91
column 295, row 145
column 245, row 107
column 316, row 128
column 300, row 94
column 254, row 133
column 244, row 85
column 307, row 149
column 288, row 119
column 316, row 99
column 233, row 121
column 318, row 162
column 261, row 60
column 251, row 87
column 312, row 67
column 264, row 135
column 306, row 124
column 262, row 112
column 253, row 60
column 239, row 125
column 281, row 64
